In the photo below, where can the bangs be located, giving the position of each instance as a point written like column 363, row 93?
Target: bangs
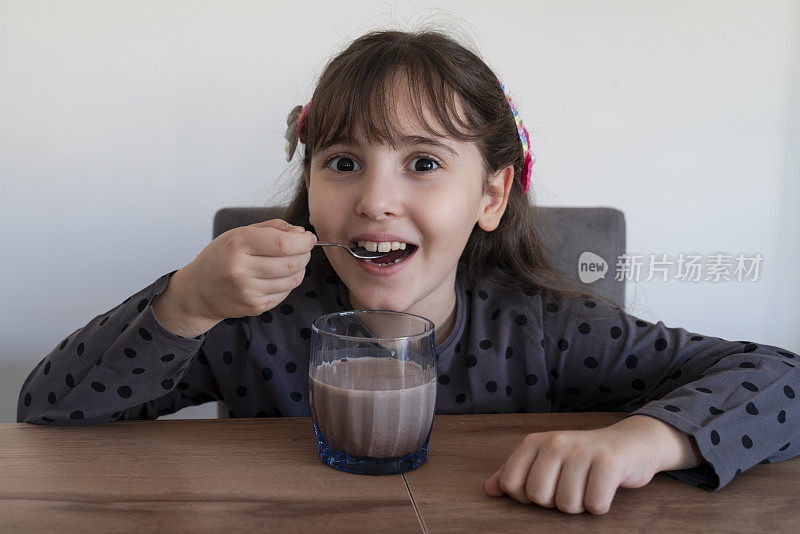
column 366, row 93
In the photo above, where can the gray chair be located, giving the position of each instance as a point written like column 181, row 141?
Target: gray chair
column 567, row 232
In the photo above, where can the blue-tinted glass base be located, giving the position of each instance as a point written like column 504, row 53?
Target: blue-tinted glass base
column 365, row 465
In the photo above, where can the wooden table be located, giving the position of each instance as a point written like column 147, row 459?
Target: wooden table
column 264, row 475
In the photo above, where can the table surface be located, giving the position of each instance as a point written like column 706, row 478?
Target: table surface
column 264, row 474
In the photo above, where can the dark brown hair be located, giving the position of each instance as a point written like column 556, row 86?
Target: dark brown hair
column 357, row 93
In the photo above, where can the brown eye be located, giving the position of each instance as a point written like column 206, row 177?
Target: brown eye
column 424, row 164
column 343, row 164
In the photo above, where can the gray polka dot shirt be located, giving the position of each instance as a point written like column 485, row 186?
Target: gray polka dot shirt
column 509, row 351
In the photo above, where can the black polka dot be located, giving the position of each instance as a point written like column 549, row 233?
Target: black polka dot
column 661, row 343
column 508, row 391
column 291, row 367
column 591, row 363
column 531, row 379
column 782, row 416
column 305, row 333
column 616, row 332
column 97, row 386
column 638, row 384
column 551, row 307
column 80, row 349
column 167, row 384
column 145, row 334
column 77, row 414
column 485, row 344
column 704, row 390
column 63, row 344
column 49, row 420
column 554, row 373
column 747, row 365
column 715, row 411
column 749, row 386
column 46, row 369
column 482, row 294
column 104, row 320
column 137, row 371
column 491, row 386
column 123, row 328
column 472, row 361
column 241, row 391
column 641, row 324
column 697, row 338
column 168, row 357
column 747, row 443
column 286, row 309
column 460, row 398
column 266, row 373
column 70, row 380
column 789, row 392
column 750, row 347
column 227, row 357
column 266, row 317
column 495, row 314
column 604, row 389
column 296, row 396
column 129, row 352
column 787, row 354
column 714, row 437
column 27, row 399
column 521, row 320
column 311, row 294
column 51, row 398
column 563, row 345
column 124, row 391
column 584, row 328
column 785, row 447
column 631, row 361
column 444, row 380
column 509, row 352
column 202, row 358
column 589, row 303
column 271, row 348
column 671, row 408
column 751, row 408
column 142, row 305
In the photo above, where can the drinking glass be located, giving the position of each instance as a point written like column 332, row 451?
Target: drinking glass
column 372, row 390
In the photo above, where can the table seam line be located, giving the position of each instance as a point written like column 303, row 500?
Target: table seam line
column 414, row 504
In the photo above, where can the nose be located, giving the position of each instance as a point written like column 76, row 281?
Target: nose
column 380, row 195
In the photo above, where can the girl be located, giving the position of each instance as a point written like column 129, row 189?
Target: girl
column 410, row 143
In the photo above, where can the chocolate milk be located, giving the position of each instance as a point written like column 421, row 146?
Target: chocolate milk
column 376, row 407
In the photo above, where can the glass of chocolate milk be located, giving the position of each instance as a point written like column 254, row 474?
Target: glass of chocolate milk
column 372, row 390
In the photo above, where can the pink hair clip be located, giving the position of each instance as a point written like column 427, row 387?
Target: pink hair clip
column 303, row 118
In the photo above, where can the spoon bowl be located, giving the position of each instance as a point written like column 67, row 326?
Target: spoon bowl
column 358, row 252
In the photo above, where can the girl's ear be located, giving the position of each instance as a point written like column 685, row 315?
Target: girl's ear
column 494, row 201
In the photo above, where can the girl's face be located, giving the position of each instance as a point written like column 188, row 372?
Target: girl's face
column 427, row 193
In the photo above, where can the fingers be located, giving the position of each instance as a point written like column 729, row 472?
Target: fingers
column 572, row 485
column 514, row 472
column 601, row 485
column 542, row 479
column 491, row 485
column 267, row 268
column 275, row 238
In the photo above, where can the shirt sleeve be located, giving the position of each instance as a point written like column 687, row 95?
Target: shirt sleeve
column 121, row 365
column 735, row 398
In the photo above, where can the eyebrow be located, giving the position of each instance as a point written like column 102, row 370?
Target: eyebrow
column 406, row 140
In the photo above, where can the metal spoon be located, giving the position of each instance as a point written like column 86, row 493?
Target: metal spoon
column 359, row 252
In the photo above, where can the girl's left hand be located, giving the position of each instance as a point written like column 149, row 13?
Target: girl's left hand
column 577, row 470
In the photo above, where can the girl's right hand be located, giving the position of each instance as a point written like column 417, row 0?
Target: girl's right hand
column 244, row 271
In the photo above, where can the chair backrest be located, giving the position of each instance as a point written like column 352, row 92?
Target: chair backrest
column 568, row 232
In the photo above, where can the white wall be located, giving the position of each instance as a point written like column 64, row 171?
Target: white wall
column 125, row 125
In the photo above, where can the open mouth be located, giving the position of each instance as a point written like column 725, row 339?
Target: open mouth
column 395, row 256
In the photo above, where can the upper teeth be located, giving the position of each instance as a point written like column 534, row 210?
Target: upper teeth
column 383, row 246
